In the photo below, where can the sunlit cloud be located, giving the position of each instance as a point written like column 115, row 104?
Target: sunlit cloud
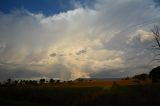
column 114, row 35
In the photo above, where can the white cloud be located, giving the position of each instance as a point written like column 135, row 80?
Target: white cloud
column 49, row 45
column 141, row 36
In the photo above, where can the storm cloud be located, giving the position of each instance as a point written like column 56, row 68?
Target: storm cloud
column 111, row 37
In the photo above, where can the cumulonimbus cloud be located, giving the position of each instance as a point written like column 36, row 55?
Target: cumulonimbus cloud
column 55, row 45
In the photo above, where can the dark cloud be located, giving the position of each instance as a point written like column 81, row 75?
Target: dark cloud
column 157, row 3
column 22, row 72
column 83, row 51
column 53, row 55
column 56, row 54
column 122, row 72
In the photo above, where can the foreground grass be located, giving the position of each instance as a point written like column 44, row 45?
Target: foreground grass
column 117, row 95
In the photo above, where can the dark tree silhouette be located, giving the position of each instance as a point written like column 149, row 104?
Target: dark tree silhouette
column 9, row 81
column 127, row 78
column 51, row 81
column 155, row 74
column 156, row 34
column 58, row 81
column 141, row 77
column 15, row 82
column 42, row 81
column 34, row 82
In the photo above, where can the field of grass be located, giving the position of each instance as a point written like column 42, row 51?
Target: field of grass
column 95, row 93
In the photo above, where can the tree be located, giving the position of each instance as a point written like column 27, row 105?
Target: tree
column 16, row 82
column 42, row 81
column 58, row 81
column 9, row 81
column 141, row 77
column 155, row 74
column 34, row 82
column 156, row 34
column 51, row 81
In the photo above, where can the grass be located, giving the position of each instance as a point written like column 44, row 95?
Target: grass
column 94, row 95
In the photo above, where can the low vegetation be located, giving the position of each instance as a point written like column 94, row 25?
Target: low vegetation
column 131, row 91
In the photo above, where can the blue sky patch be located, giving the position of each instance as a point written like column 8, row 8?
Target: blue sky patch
column 47, row 7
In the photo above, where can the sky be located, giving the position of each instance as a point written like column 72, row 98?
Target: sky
column 70, row 39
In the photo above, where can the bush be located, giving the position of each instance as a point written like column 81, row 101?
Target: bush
column 155, row 74
column 141, row 77
column 42, row 81
column 51, row 81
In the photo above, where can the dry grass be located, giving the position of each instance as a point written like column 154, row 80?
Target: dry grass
column 107, row 83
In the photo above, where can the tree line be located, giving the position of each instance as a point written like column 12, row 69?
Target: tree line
column 9, row 82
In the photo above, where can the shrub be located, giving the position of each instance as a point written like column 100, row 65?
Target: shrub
column 141, row 77
column 155, row 74
column 42, row 81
